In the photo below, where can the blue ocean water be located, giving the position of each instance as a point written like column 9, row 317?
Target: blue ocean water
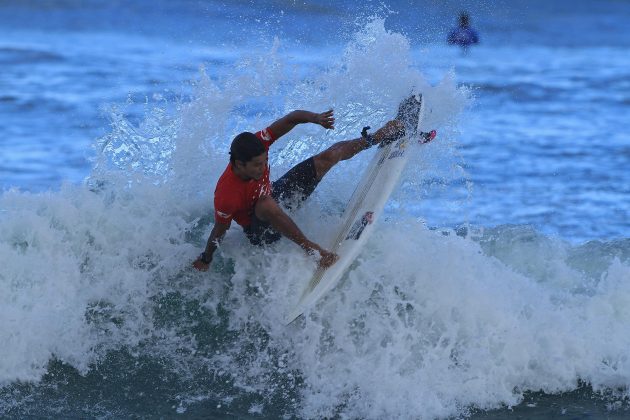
column 496, row 286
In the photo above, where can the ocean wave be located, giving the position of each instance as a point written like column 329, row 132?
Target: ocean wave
column 11, row 55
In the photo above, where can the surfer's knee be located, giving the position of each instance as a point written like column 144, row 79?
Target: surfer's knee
column 333, row 155
column 323, row 162
column 265, row 207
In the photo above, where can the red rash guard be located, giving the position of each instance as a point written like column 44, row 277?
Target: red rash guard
column 235, row 198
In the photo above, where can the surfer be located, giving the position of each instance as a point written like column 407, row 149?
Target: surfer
column 245, row 194
column 464, row 35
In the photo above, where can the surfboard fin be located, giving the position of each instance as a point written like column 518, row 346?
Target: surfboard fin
column 427, row 137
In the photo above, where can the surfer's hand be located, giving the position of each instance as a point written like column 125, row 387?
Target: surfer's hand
column 326, row 119
column 327, row 259
column 200, row 265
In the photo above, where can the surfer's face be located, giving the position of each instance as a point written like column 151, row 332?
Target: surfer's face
column 255, row 167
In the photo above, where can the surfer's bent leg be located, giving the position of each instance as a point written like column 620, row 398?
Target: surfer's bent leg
column 347, row 149
column 261, row 233
column 342, row 150
column 296, row 185
column 300, row 181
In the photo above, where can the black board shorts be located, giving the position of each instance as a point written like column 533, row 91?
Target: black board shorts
column 290, row 190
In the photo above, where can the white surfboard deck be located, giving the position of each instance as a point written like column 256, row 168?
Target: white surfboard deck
column 364, row 208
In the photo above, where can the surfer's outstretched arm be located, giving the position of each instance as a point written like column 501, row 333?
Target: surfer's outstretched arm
column 287, row 123
column 203, row 261
column 268, row 210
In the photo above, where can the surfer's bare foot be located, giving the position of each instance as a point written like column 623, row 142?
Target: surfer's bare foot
column 390, row 132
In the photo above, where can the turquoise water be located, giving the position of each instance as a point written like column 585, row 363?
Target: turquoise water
column 495, row 286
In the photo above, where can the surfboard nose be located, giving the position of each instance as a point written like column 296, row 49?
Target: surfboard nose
column 427, row 137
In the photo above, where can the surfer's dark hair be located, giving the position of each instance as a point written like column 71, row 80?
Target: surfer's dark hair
column 245, row 147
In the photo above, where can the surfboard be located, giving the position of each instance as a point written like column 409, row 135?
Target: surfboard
column 366, row 204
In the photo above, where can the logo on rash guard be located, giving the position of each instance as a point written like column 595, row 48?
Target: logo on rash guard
column 224, row 215
column 266, row 136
